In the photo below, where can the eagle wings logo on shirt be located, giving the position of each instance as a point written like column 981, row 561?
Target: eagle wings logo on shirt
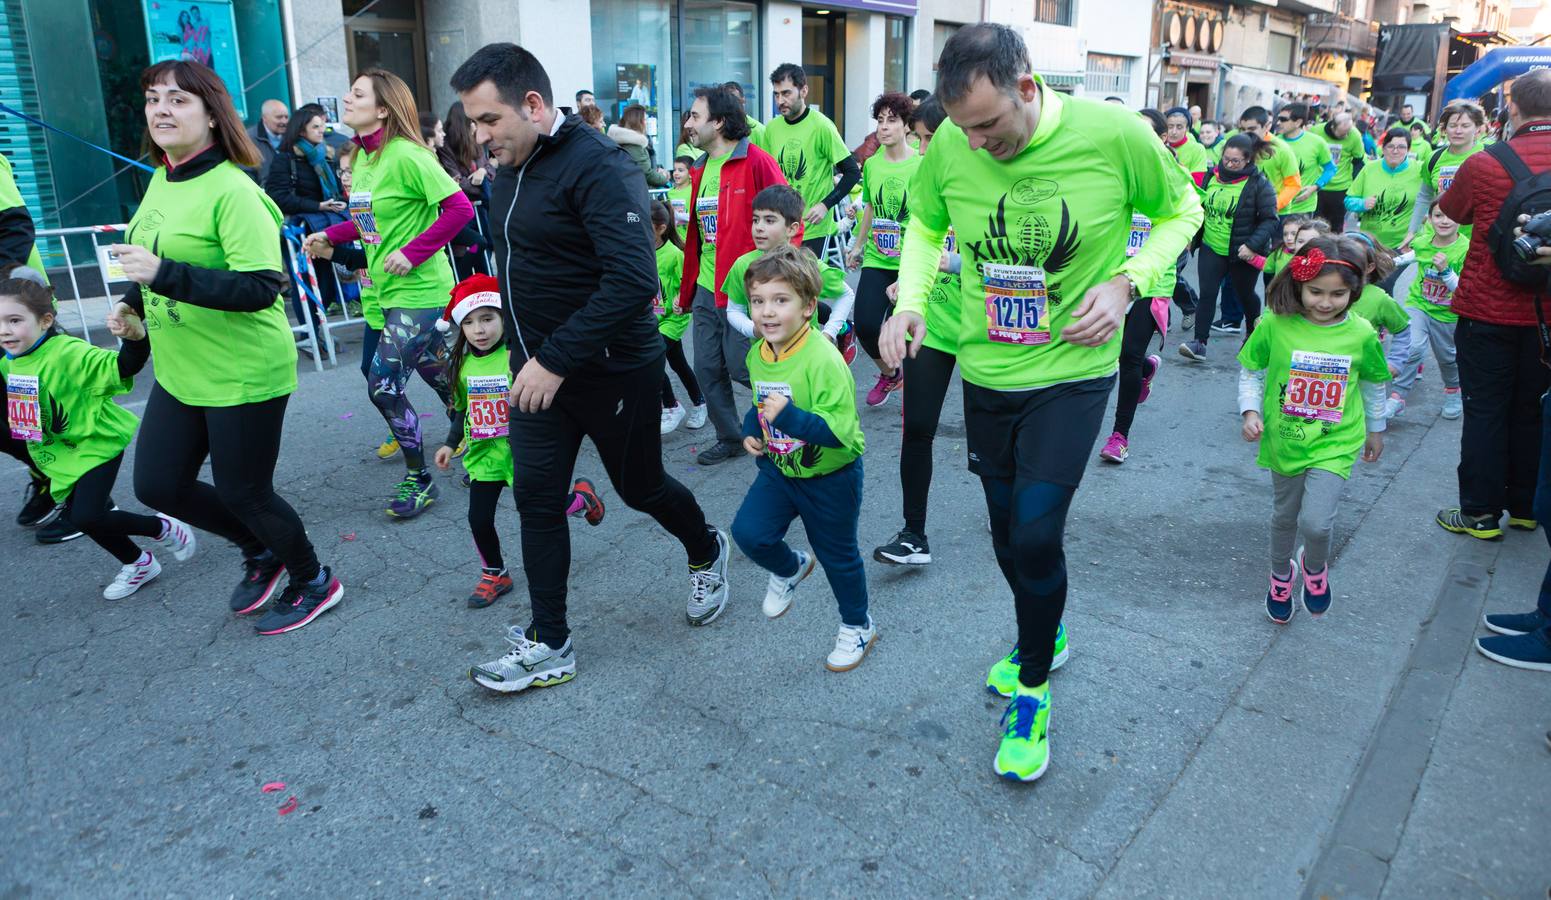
column 1028, row 242
column 1386, row 206
column 793, row 162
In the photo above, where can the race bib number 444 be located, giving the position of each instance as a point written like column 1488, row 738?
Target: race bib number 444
column 21, row 408
column 1015, row 304
column 1316, row 386
column 488, row 410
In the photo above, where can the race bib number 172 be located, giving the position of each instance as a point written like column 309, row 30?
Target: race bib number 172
column 21, row 408
column 1015, row 304
column 1316, row 386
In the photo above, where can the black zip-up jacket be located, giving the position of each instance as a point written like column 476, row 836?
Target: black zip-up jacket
column 1255, row 223
column 575, row 256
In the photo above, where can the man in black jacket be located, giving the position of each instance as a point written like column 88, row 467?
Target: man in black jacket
column 578, row 273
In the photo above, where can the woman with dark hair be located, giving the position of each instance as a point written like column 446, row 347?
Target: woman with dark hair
column 630, row 135
column 686, row 147
column 465, row 161
column 431, row 131
column 204, row 253
column 304, row 182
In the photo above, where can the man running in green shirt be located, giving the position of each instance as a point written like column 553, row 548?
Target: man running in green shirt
column 1280, row 168
column 811, row 153
column 1345, row 144
column 1040, row 191
column 1315, row 169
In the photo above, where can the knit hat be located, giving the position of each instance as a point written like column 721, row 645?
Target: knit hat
column 468, row 295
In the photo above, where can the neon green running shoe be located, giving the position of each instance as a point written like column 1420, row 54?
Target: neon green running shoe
column 1025, row 751
column 1003, row 676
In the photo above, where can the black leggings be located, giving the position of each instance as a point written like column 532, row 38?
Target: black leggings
column 90, row 508
column 621, row 414
column 681, row 367
column 1028, row 531
column 483, row 498
column 1331, row 207
column 1211, row 268
column 873, row 307
column 926, row 385
column 242, row 443
column 1139, row 329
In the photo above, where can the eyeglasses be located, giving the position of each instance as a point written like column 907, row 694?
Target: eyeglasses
column 1284, row 118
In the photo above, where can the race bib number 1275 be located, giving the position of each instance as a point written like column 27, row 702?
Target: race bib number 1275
column 1015, row 304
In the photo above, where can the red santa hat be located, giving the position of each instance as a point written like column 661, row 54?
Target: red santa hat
column 468, row 295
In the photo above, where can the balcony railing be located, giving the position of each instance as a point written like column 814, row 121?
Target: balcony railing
column 1341, row 34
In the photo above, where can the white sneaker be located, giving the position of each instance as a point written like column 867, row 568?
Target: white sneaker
column 851, row 644
column 779, row 592
column 697, row 416
column 708, row 586
column 1453, row 403
column 132, row 577
column 179, row 539
column 1394, row 407
column 671, row 417
column 527, row 664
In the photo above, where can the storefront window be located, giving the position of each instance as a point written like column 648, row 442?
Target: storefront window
column 632, row 62
column 896, row 30
column 721, row 43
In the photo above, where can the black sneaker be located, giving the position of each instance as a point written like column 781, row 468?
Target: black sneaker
column 1516, row 623
column 57, row 531
column 719, row 452
column 298, row 605
column 38, row 507
column 259, row 580
column 906, row 549
column 1484, row 528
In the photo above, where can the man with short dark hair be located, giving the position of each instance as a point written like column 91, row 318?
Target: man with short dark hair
column 756, row 127
column 1311, row 153
column 1498, row 346
column 584, row 99
column 917, row 96
column 1345, row 146
column 811, row 153
column 723, row 183
column 1280, row 168
column 578, row 274
column 1039, row 190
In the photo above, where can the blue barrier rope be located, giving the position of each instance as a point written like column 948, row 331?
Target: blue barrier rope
column 36, row 121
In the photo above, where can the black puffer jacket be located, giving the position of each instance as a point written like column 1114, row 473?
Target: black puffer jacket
column 575, row 256
column 1255, row 223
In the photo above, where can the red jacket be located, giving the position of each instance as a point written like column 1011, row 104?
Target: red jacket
column 747, row 172
column 1474, row 198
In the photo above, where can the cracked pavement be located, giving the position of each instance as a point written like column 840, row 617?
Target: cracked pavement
column 1199, row 750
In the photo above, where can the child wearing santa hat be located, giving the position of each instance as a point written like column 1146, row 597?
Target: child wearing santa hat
column 480, row 379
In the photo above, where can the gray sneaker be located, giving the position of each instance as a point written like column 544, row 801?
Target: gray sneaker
column 708, row 586
column 527, row 664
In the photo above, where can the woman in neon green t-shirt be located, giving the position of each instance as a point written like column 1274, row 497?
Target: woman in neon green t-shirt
column 204, row 253
column 404, row 208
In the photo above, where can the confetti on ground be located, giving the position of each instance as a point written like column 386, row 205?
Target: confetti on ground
column 273, row 787
column 288, row 807
column 348, row 536
column 347, row 416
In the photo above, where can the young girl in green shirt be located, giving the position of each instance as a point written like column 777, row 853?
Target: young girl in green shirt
column 672, row 323
column 1311, row 392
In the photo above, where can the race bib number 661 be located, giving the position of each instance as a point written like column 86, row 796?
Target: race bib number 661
column 1015, row 304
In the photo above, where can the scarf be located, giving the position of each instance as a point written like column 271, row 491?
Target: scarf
column 317, row 157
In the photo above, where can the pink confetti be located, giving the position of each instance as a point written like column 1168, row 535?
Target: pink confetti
column 289, row 807
column 273, row 787
column 350, row 536
column 347, row 416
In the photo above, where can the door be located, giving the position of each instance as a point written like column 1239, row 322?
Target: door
column 824, row 59
column 388, row 36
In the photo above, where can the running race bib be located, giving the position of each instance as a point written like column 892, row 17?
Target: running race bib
column 659, row 304
column 885, row 236
column 1335, row 155
column 680, row 211
column 1434, row 290
column 1141, row 226
column 361, row 215
column 776, row 442
column 1015, row 304
column 487, row 406
column 1446, row 177
column 21, row 408
column 950, row 243
column 1316, row 386
column 705, row 208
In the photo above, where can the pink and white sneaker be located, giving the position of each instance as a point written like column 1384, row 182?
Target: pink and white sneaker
column 133, row 577
column 1150, row 367
column 1280, row 603
column 1116, row 449
column 887, row 384
column 177, row 538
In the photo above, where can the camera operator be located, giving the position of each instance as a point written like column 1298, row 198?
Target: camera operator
column 1497, row 339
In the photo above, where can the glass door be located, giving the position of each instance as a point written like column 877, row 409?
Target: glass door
column 388, row 36
column 824, row 59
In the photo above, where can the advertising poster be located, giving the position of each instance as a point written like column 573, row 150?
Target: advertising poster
column 204, row 32
column 635, row 83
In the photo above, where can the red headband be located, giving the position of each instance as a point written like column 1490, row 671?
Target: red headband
column 1308, row 266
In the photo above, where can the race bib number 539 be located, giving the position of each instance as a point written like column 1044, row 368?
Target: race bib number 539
column 21, row 408
column 1317, row 385
column 1015, row 304
column 488, row 410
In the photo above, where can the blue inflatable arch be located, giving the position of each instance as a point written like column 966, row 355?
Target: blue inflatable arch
column 1498, row 65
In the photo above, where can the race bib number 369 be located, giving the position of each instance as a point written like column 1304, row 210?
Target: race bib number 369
column 21, row 408
column 488, row 411
column 1316, row 386
column 1015, row 305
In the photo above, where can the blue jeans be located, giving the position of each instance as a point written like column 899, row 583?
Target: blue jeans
column 830, row 506
column 1543, row 496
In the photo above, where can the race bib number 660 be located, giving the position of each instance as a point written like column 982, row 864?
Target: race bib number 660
column 488, row 409
column 1317, row 385
column 21, row 408
column 1015, row 304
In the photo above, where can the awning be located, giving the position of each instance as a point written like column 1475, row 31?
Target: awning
column 1062, row 79
column 1248, row 86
